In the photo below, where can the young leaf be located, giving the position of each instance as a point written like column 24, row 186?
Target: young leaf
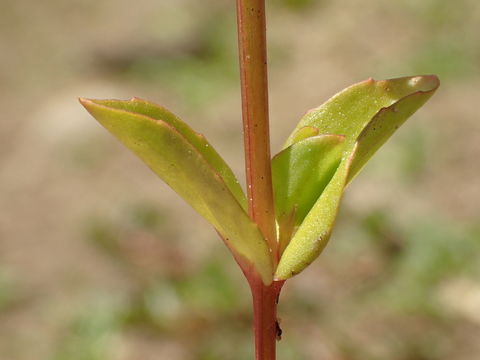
column 190, row 166
column 300, row 174
column 367, row 114
column 314, row 232
column 348, row 112
column 304, row 133
column 382, row 126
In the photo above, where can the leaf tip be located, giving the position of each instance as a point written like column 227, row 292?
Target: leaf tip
column 425, row 83
column 86, row 103
column 83, row 101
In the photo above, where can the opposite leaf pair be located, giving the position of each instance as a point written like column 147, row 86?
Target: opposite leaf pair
column 326, row 150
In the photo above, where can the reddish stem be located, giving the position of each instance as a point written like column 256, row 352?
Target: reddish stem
column 266, row 326
column 253, row 71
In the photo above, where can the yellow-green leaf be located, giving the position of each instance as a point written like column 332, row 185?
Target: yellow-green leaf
column 349, row 111
column 314, row 232
column 300, row 174
column 154, row 111
column 366, row 114
column 190, row 166
column 382, row 126
column 304, row 133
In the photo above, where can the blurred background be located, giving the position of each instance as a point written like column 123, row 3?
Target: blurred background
column 99, row 260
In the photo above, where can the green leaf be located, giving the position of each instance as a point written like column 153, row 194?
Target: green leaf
column 349, row 111
column 304, row 133
column 190, row 166
column 366, row 114
column 154, row 111
column 300, row 174
column 382, row 126
column 314, row 232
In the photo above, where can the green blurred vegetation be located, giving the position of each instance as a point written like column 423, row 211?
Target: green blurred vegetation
column 201, row 68
column 296, row 5
column 200, row 71
column 207, row 311
column 445, row 46
column 8, row 293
